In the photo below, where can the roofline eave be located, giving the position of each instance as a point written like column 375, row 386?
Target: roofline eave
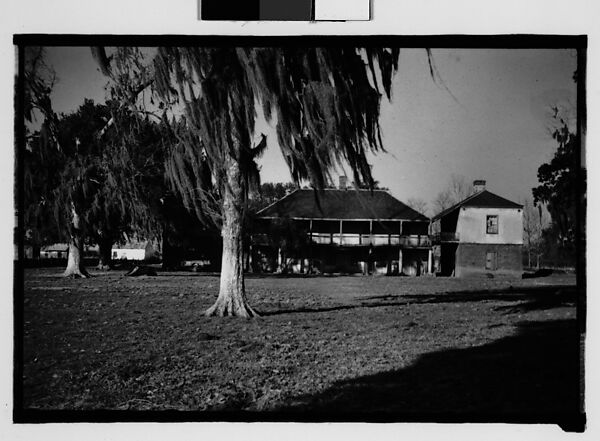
column 462, row 203
column 277, row 201
column 342, row 219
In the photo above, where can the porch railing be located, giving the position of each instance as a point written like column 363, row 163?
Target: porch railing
column 351, row 239
column 446, row 237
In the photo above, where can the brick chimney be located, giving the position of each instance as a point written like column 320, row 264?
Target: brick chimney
column 343, row 183
column 478, row 186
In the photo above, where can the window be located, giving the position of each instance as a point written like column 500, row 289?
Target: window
column 492, row 224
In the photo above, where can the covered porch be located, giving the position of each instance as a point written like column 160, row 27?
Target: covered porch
column 367, row 246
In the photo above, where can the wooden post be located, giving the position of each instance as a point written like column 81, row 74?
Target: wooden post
column 279, row 261
column 310, row 245
column 430, row 262
column 400, row 261
column 389, row 254
column 341, row 233
column 371, row 260
column 400, row 251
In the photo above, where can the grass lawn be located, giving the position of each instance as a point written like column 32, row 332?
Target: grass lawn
column 324, row 344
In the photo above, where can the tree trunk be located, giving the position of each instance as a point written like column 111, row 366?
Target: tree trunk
column 528, row 250
column 170, row 259
column 232, row 296
column 105, row 254
column 75, row 267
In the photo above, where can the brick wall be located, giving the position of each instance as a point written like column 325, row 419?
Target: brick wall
column 471, row 259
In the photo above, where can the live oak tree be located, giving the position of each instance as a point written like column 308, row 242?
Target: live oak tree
column 94, row 188
column 75, row 182
column 78, row 178
column 44, row 157
column 325, row 102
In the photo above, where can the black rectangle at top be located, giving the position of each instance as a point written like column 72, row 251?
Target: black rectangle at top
column 239, row 10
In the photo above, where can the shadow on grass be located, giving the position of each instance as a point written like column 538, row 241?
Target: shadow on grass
column 296, row 276
column 530, row 377
column 533, row 375
column 477, row 295
column 528, row 298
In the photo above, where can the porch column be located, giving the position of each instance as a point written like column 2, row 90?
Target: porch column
column 279, row 260
column 341, row 232
column 430, row 262
column 400, row 251
column 371, row 261
column 400, row 261
column 310, row 246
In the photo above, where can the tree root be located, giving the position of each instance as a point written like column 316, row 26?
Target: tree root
column 77, row 274
column 225, row 309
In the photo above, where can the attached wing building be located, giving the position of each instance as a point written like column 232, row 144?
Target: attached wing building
column 481, row 234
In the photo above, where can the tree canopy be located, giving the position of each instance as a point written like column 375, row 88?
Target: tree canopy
column 562, row 188
column 107, row 176
column 558, row 183
column 325, row 102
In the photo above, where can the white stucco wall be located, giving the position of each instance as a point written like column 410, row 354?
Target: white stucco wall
column 128, row 253
column 471, row 225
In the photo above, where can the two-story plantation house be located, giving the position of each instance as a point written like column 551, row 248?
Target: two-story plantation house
column 481, row 234
column 346, row 230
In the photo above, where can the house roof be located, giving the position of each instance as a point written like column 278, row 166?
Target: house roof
column 341, row 204
column 483, row 199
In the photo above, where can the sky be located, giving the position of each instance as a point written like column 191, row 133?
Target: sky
column 486, row 117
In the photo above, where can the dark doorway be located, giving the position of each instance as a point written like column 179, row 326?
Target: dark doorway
column 491, row 261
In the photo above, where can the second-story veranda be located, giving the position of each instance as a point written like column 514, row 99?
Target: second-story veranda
column 355, row 225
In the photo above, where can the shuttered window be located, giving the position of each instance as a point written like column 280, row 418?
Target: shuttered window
column 492, row 224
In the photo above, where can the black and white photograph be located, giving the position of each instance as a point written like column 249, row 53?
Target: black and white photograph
column 315, row 219
column 223, row 229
